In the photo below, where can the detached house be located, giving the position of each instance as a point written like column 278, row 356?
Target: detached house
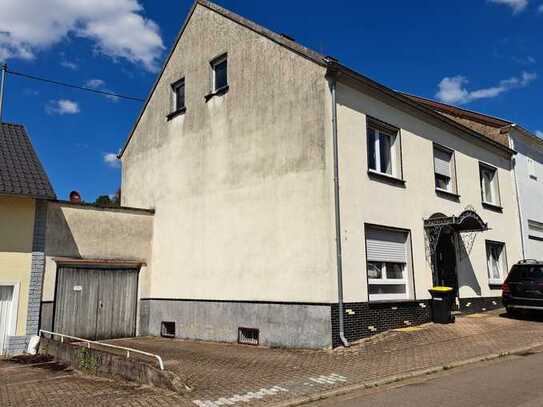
column 24, row 191
column 300, row 203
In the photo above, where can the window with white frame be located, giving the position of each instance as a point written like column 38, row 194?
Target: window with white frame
column 383, row 148
column 388, row 264
column 535, row 230
column 219, row 68
column 444, row 169
column 178, row 95
column 490, row 192
column 496, row 260
column 531, row 169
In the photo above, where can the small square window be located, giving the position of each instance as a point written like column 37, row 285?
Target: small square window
column 383, row 149
column 178, row 95
column 220, row 73
column 444, row 169
column 490, row 192
column 496, row 261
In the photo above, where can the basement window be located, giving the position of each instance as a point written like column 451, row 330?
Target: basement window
column 167, row 329
column 248, row 336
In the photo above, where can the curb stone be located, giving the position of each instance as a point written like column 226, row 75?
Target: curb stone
column 405, row 376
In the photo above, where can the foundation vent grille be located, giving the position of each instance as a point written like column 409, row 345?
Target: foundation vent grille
column 167, row 329
column 248, row 336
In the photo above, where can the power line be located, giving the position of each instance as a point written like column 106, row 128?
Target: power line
column 68, row 85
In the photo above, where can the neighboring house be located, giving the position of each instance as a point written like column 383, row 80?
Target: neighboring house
column 527, row 164
column 24, row 191
column 299, row 203
column 64, row 266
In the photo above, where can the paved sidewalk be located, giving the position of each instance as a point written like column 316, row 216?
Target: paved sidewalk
column 223, row 374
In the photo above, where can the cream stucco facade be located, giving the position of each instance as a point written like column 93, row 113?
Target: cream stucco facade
column 367, row 200
column 242, row 184
column 16, row 226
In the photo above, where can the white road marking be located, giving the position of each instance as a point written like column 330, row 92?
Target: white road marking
column 333, row 378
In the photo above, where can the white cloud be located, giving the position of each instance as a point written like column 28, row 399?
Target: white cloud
column 539, row 133
column 95, row 83
column 453, row 89
column 117, row 27
column 69, row 65
column 99, row 84
column 112, row 160
column 62, row 107
column 516, row 5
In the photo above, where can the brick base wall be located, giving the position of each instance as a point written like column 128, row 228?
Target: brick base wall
column 474, row 305
column 362, row 320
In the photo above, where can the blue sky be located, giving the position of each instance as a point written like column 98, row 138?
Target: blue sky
column 482, row 54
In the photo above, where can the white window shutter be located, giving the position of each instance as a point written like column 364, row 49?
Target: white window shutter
column 386, row 245
column 442, row 162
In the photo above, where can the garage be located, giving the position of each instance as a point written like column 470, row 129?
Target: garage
column 96, row 299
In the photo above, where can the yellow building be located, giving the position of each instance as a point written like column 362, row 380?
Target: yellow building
column 24, row 191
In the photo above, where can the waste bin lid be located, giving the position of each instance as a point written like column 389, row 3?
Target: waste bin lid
column 441, row 289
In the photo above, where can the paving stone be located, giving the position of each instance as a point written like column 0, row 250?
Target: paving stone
column 227, row 374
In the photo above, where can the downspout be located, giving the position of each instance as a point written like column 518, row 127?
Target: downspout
column 517, row 191
column 338, row 217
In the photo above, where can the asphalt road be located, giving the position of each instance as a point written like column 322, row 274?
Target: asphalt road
column 511, row 382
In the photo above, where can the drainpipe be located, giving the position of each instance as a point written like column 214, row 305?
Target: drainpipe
column 338, row 218
column 520, row 217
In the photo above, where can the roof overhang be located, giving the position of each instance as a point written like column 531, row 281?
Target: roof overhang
column 352, row 78
column 99, row 263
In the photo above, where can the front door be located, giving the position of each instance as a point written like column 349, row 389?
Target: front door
column 445, row 260
column 96, row 303
column 6, row 317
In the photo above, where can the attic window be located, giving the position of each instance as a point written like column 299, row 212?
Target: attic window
column 177, row 99
column 219, row 67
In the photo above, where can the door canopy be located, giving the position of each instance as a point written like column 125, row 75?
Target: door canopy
column 467, row 221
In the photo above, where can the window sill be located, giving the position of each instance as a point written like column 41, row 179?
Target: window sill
column 392, row 303
column 176, row 113
column 447, row 194
column 218, row 92
column 387, row 178
column 492, row 207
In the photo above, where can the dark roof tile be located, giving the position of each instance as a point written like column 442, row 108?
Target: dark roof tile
column 21, row 172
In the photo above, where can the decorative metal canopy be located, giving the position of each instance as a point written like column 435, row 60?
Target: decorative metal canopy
column 467, row 221
column 463, row 226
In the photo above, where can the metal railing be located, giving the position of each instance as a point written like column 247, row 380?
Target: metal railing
column 107, row 345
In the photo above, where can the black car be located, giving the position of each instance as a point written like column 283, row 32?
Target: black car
column 523, row 288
